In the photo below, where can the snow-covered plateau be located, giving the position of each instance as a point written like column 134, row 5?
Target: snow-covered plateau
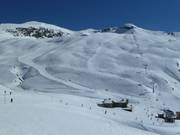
column 52, row 78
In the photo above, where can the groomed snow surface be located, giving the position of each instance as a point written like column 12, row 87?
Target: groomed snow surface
column 56, row 83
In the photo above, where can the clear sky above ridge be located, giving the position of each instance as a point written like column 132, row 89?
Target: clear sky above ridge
column 82, row 14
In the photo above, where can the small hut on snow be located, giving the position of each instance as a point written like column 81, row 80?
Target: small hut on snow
column 168, row 116
column 109, row 103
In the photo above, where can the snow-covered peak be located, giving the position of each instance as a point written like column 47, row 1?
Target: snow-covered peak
column 88, row 32
column 126, row 28
column 34, row 24
column 45, row 25
column 130, row 25
column 34, row 29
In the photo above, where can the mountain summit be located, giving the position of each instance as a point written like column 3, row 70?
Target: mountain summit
column 34, row 29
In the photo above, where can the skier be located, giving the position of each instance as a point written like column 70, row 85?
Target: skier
column 177, row 64
column 105, row 112
column 11, row 100
column 5, row 97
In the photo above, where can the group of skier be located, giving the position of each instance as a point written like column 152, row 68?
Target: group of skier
column 10, row 94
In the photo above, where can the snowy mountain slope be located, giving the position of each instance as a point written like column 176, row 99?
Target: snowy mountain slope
column 33, row 24
column 88, row 66
column 34, row 29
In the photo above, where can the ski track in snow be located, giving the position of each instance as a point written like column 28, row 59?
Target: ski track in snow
column 28, row 60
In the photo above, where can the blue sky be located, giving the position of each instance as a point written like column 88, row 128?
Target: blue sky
column 82, row 14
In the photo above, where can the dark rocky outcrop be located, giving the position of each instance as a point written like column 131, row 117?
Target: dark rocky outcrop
column 35, row 32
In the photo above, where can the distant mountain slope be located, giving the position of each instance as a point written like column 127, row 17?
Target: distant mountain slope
column 129, row 62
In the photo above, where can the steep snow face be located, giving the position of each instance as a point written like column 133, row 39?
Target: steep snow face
column 138, row 64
